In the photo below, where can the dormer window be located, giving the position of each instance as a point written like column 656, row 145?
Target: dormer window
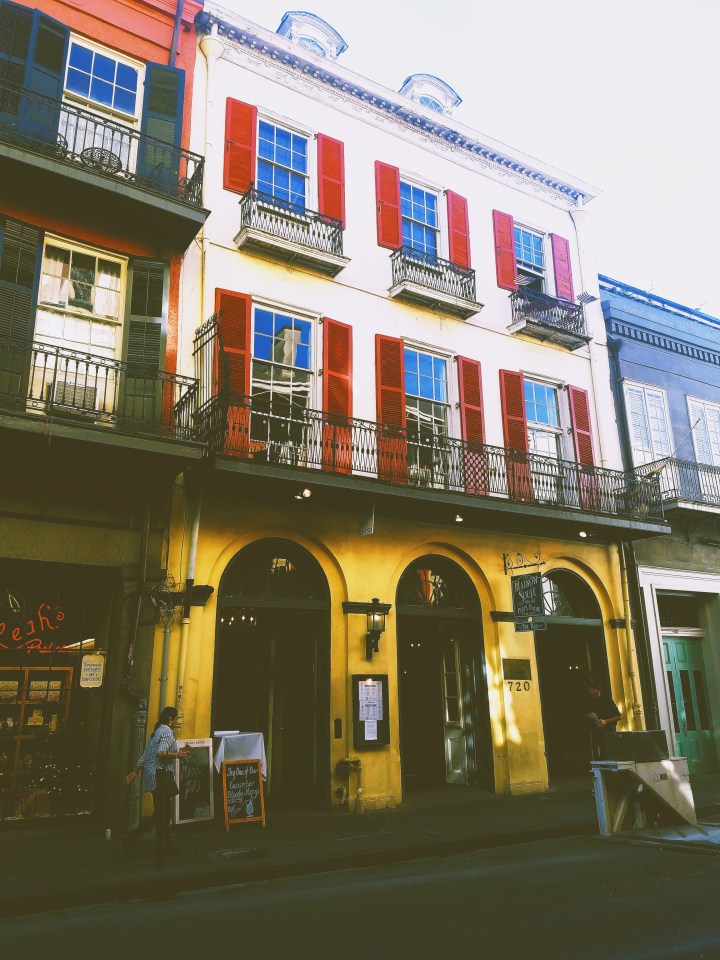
column 431, row 92
column 311, row 32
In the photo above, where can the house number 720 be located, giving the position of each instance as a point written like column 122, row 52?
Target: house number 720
column 518, row 685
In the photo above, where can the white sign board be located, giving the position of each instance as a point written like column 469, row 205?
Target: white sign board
column 92, row 670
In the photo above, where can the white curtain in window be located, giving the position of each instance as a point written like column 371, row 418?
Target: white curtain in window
column 106, row 301
column 705, row 421
column 54, row 277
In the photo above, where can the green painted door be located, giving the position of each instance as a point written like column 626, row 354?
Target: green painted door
column 689, row 703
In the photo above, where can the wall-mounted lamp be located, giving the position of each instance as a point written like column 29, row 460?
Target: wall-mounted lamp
column 375, row 613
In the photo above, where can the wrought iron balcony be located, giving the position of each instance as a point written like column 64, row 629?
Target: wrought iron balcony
column 422, row 278
column 93, row 143
column 79, row 388
column 291, row 233
column 278, row 433
column 686, row 482
column 546, row 318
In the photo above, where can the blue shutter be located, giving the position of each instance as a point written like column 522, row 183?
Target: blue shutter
column 20, row 256
column 33, row 53
column 158, row 160
column 44, row 79
column 146, row 311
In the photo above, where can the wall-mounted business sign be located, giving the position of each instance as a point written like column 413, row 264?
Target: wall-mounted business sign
column 527, row 596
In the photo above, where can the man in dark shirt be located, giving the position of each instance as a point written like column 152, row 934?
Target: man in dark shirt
column 601, row 716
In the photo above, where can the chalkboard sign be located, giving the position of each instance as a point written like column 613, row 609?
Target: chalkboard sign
column 527, row 596
column 242, row 791
column 194, row 777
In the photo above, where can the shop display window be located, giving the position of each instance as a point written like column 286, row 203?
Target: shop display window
column 54, row 622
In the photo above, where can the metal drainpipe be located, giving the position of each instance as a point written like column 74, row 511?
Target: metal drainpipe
column 139, row 725
column 189, row 582
column 636, row 707
column 176, row 33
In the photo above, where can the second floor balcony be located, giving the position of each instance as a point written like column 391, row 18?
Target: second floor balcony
column 290, row 233
column 265, row 433
column 83, row 394
column 548, row 319
column 686, row 484
column 421, row 278
column 82, row 161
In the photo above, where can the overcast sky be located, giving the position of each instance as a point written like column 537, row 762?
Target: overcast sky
column 624, row 94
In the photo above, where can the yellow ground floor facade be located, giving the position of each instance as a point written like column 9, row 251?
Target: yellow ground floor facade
column 468, row 700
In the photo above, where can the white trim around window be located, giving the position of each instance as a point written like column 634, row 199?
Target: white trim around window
column 648, row 422
column 705, row 430
column 131, row 119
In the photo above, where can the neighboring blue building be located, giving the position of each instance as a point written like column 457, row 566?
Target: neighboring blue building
column 666, row 381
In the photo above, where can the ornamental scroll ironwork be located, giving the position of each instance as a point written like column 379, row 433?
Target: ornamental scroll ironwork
column 518, row 561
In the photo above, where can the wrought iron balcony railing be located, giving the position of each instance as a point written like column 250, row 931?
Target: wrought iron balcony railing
column 39, row 379
column 685, row 480
column 90, row 141
column 278, row 433
column 265, row 213
column 441, row 276
column 556, row 316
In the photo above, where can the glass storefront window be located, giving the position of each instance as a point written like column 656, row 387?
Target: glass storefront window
column 54, row 624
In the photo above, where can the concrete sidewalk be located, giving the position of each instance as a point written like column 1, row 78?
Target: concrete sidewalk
column 62, row 866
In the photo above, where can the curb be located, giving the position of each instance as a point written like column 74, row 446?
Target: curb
column 163, row 885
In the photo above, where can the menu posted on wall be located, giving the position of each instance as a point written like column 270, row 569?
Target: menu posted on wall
column 194, row 777
column 242, row 791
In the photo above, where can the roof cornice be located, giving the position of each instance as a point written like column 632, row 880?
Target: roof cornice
column 652, row 299
column 295, row 59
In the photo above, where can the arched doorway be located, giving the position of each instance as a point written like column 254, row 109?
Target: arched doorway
column 272, row 665
column 444, row 717
column 569, row 652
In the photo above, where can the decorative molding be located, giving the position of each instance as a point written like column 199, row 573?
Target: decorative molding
column 663, row 342
column 399, row 114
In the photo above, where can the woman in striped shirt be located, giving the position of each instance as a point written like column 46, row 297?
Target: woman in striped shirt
column 156, row 764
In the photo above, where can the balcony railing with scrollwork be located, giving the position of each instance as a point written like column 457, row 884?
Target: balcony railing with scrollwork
column 265, row 213
column 433, row 273
column 94, row 143
column 82, row 389
column 685, row 480
column 559, row 315
column 275, row 432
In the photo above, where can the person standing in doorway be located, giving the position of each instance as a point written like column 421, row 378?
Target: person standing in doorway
column 156, row 764
column 601, row 717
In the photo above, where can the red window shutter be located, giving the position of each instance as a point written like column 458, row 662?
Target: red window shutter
column 234, row 311
column 504, row 250
column 517, row 465
column 390, row 379
column 512, row 396
column 240, row 146
column 473, row 425
column 458, row 229
column 337, row 396
column 590, row 493
column 471, row 406
column 387, row 195
column 562, row 267
column 582, row 431
column 331, row 177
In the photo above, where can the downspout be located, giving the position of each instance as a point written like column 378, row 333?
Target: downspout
column 139, row 725
column 176, row 33
column 647, row 680
column 187, row 599
column 212, row 49
column 578, row 218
